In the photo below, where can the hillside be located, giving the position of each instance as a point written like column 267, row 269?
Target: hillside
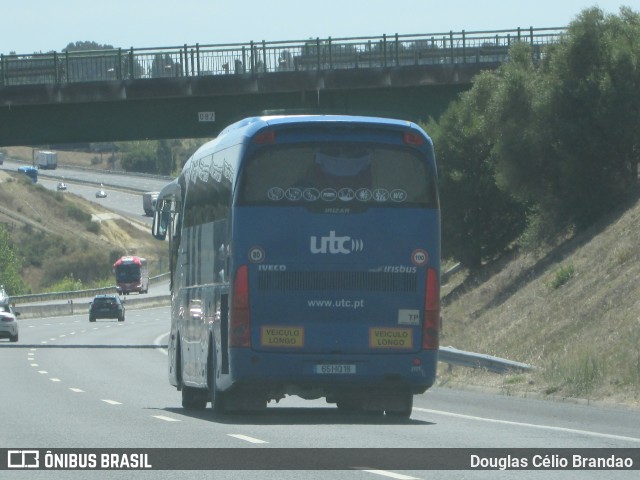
column 573, row 311
column 61, row 234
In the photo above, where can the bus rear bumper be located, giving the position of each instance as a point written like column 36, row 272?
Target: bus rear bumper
column 315, row 376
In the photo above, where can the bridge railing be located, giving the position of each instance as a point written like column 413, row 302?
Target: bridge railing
column 268, row 57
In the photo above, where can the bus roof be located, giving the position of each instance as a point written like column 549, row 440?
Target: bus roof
column 130, row 260
column 256, row 123
column 249, row 126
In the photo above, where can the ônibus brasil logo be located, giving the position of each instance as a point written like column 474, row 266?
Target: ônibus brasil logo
column 334, row 244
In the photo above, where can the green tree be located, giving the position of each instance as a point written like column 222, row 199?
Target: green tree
column 568, row 130
column 164, row 158
column 595, row 99
column 139, row 156
column 479, row 220
column 10, row 266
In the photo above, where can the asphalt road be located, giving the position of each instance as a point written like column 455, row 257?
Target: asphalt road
column 72, row 384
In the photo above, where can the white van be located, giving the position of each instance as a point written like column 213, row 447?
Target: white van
column 46, row 160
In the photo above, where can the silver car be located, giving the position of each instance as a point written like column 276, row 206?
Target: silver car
column 8, row 324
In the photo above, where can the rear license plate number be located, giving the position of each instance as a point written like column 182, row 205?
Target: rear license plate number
column 336, row 369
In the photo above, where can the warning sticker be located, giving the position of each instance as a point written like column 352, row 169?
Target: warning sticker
column 390, row 338
column 278, row 336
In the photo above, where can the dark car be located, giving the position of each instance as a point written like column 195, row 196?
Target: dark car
column 106, row 306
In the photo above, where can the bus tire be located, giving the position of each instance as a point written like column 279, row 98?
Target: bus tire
column 215, row 395
column 192, row 398
column 402, row 406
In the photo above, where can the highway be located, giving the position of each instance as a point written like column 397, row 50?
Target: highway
column 72, row 384
column 124, row 192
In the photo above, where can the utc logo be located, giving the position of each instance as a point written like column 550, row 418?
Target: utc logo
column 333, row 244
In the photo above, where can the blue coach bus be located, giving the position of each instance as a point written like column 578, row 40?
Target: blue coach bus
column 305, row 260
column 31, row 172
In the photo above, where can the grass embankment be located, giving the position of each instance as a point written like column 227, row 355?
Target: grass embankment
column 572, row 311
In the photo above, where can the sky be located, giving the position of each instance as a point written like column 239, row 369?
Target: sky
column 30, row 26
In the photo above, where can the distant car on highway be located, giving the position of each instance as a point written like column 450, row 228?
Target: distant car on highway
column 8, row 326
column 8, row 321
column 62, row 186
column 106, row 306
column 101, row 194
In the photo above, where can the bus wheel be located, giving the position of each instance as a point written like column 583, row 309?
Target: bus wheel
column 401, row 406
column 216, row 396
column 194, row 398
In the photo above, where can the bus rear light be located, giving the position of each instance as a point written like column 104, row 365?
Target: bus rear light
column 265, row 138
column 431, row 326
column 239, row 331
column 410, row 138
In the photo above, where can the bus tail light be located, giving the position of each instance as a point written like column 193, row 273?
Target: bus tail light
column 431, row 327
column 265, row 138
column 239, row 331
column 411, row 138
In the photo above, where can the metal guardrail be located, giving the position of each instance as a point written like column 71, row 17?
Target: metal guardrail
column 71, row 295
column 268, row 57
column 453, row 356
column 44, row 310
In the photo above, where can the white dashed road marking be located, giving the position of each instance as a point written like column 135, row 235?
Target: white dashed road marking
column 384, row 473
column 246, row 438
column 166, row 419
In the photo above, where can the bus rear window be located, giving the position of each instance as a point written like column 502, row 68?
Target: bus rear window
column 348, row 175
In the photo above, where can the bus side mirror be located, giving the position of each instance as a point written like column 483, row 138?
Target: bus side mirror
column 161, row 217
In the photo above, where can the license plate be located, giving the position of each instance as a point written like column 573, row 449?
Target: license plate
column 336, row 369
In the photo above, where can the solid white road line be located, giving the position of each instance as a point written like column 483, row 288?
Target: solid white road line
column 158, row 342
column 530, row 425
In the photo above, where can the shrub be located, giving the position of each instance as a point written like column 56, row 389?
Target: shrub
column 562, row 276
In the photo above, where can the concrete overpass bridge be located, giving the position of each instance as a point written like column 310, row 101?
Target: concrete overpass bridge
column 195, row 91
